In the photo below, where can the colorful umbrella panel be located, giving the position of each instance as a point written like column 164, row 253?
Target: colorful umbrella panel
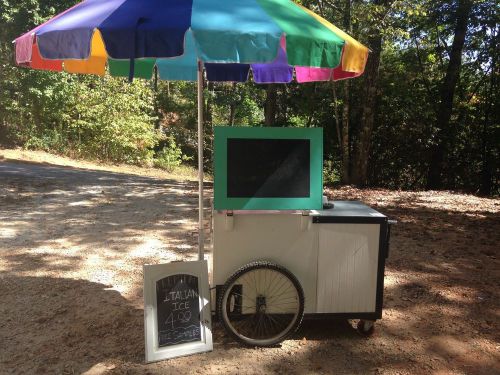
column 274, row 39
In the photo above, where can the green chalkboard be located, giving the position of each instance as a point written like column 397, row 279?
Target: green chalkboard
column 268, row 168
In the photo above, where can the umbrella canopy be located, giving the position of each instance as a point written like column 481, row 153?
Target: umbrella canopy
column 272, row 38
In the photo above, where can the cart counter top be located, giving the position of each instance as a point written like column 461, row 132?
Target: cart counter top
column 352, row 211
column 342, row 212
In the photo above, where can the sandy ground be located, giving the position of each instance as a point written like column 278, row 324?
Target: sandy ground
column 73, row 240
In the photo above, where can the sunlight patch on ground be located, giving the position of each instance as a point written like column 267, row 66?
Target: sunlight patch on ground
column 84, row 203
column 147, row 193
column 8, row 232
column 100, row 270
column 152, row 248
column 181, row 221
column 457, row 296
column 184, row 205
column 177, row 191
column 391, row 281
column 395, row 278
column 148, row 248
column 183, row 247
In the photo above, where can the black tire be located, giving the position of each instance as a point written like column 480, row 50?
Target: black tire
column 364, row 329
column 273, row 312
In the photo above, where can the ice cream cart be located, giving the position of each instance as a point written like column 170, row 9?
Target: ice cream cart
column 279, row 250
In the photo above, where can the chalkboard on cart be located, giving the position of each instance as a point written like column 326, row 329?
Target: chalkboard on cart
column 177, row 317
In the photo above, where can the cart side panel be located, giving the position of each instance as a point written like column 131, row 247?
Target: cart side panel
column 347, row 268
column 280, row 238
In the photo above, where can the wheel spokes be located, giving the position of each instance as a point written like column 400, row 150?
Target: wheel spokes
column 263, row 305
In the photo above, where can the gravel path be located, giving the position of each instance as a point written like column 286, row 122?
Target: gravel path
column 73, row 242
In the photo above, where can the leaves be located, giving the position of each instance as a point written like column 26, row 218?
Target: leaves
column 111, row 119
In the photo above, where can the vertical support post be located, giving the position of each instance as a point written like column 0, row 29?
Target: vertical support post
column 201, row 233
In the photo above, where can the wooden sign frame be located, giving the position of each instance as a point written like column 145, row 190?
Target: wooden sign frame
column 154, row 274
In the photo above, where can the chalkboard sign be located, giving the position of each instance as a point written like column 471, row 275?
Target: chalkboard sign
column 176, row 310
column 178, row 306
column 268, row 168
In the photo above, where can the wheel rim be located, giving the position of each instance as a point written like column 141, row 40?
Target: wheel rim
column 261, row 306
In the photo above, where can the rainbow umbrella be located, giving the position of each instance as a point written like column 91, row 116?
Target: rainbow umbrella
column 182, row 39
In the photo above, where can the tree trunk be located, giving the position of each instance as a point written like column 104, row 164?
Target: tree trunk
column 232, row 104
column 232, row 113
column 346, row 177
column 360, row 164
column 440, row 150
column 207, row 116
column 337, row 117
column 156, row 103
column 487, row 159
column 270, row 105
column 281, row 105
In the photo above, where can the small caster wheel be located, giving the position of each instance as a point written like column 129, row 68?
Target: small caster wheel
column 366, row 327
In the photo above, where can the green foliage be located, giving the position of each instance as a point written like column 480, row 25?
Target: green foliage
column 113, row 119
column 331, row 174
column 108, row 118
column 99, row 118
column 170, row 157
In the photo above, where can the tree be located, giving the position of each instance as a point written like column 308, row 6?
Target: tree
column 441, row 148
column 370, row 82
column 270, row 107
column 426, row 91
column 346, row 174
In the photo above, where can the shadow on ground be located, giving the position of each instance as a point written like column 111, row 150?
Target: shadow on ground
column 60, row 325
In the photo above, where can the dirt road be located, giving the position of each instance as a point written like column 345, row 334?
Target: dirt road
column 73, row 242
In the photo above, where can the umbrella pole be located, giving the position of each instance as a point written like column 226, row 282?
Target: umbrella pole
column 200, row 162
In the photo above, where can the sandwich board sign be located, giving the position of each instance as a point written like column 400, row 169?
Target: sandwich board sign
column 177, row 318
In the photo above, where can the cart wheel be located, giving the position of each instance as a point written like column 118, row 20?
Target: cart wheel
column 366, row 327
column 261, row 304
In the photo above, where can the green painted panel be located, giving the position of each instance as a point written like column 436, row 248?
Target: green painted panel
column 143, row 68
column 308, row 42
column 223, row 202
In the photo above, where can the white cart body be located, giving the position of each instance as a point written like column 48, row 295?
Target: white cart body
column 338, row 255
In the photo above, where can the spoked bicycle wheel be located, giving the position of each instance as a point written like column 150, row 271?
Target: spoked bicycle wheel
column 261, row 304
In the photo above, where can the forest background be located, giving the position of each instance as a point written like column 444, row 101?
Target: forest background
column 424, row 115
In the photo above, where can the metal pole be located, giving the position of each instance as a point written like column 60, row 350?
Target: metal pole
column 200, row 162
